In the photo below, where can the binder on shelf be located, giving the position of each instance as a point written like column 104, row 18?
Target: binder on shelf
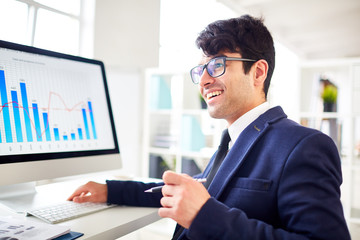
column 192, row 138
column 189, row 166
column 165, row 141
column 160, row 94
column 157, row 166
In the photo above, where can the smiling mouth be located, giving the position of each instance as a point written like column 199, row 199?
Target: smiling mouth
column 213, row 94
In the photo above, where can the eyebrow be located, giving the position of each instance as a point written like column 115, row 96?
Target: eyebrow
column 216, row 56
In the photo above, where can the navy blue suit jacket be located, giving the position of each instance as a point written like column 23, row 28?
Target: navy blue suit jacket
column 280, row 180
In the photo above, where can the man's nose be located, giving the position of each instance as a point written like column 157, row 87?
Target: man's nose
column 206, row 79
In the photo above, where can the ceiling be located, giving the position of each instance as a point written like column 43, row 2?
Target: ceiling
column 313, row 29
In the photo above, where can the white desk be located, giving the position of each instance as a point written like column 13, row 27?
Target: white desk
column 111, row 223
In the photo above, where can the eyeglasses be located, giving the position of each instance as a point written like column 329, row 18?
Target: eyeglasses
column 215, row 67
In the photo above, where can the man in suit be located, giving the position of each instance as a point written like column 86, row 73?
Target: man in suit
column 275, row 180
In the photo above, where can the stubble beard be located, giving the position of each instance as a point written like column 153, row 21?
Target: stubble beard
column 218, row 111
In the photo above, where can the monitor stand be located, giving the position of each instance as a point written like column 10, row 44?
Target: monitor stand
column 20, row 198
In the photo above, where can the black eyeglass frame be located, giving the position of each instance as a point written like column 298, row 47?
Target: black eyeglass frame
column 225, row 59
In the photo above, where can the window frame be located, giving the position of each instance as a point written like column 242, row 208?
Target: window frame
column 85, row 20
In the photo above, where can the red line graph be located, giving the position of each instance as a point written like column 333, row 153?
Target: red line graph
column 51, row 94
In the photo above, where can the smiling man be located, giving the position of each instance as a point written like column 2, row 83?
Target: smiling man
column 270, row 179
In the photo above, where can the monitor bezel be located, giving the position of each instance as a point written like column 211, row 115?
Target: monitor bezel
column 29, row 157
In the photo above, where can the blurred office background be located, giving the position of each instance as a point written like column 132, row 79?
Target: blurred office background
column 148, row 48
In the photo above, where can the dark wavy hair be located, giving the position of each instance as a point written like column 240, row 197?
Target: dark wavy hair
column 245, row 35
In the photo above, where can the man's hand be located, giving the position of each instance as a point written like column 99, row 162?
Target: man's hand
column 183, row 198
column 90, row 192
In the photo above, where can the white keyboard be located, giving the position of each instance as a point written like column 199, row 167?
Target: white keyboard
column 67, row 210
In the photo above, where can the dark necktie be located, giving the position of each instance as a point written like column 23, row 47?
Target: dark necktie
column 221, row 153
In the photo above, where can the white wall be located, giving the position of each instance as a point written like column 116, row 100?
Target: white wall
column 127, row 32
column 284, row 87
column 126, row 38
column 125, row 89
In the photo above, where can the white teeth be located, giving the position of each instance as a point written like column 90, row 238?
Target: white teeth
column 212, row 94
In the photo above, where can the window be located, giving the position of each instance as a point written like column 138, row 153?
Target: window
column 13, row 21
column 58, row 25
column 67, row 6
column 57, row 32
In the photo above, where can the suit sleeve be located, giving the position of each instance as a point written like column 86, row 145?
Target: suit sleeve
column 308, row 201
column 131, row 193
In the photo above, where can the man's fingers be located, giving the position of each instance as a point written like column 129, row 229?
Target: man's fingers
column 77, row 193
column 170, row 177
column 165, row 213
column 168, row 190
column 82, row 199
column 166, row 202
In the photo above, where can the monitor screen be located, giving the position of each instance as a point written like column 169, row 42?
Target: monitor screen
column 55, row 115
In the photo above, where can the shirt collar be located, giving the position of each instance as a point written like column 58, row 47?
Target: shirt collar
column 242, row 122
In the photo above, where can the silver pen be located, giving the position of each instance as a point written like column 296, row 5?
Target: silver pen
column 158, row 188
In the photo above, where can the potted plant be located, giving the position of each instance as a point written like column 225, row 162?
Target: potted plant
column 202, row 102
column 329, row 96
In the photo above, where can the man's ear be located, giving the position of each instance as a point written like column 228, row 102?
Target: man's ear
column 260, row 73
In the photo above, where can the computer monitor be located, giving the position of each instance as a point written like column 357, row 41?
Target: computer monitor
column 55, row 117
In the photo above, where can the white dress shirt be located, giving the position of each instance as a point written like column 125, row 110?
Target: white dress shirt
column 242, row 122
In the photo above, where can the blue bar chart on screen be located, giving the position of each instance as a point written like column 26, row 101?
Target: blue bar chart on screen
column 42, row 109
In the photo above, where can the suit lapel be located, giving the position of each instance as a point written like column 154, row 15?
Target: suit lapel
column 241, row 148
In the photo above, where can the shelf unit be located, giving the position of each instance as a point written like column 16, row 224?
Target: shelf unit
column 343, row 125
column 180, row 132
